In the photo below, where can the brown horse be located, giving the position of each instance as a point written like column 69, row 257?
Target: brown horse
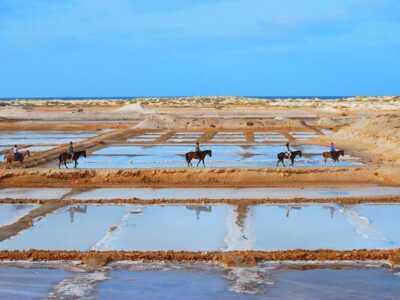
column 65, row 157
column 284, row 155
column 197, row 155
column 10, row 157
column 332, row 154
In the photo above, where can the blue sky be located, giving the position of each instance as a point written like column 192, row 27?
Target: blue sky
column 86, row 48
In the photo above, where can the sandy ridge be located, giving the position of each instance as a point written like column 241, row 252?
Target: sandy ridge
column 179, row 177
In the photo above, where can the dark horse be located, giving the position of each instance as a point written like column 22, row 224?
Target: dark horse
column 65, row 157
column 332, row 154
column 284, row 155
column 197, row 155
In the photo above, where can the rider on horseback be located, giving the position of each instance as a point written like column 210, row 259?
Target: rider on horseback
column 332, row 147
column 197, row 147
column 16, row 152
column 289, row 152
column 70, row 151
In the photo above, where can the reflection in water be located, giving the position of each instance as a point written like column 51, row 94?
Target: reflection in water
column 239, row 234
column 362, row 225
column 288, row 208
column 198, row 209
column 331, row 209
column 20, row 206
column 76, row 209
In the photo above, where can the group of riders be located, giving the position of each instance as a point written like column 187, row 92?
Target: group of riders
column 17, row 154
column 70, row 155
column 289, row 154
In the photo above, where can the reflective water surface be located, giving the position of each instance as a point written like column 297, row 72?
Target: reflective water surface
column 10, row 213
column 123, row 280
column 164, row 156
column 214, row 227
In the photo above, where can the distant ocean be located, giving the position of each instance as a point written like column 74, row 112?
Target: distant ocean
column 168, row 97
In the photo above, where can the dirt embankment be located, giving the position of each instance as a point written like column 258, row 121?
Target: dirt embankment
column 229, row 258
column 187, row 177
column 207, row 201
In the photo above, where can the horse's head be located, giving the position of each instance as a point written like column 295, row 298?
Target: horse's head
column 300, row 153
column 28, row 153
column 84, row 153
column 341, row 152
column 209, row 152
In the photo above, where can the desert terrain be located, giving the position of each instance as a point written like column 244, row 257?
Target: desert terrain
column 135, row 158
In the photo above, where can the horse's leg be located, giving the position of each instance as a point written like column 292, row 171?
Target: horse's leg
column 277, row 163
column 76, row 164
column 198, row 162
column 65, row 164
column 292, row 162
column 204, row 165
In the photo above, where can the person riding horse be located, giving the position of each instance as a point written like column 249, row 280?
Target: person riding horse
column 70, row 151
column 197, row 154
column 16, row 153
column 332, row 147
column 289, row 154
column 197, row 147
column 333, row 153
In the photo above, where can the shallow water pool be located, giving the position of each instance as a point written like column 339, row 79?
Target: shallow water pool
column 236, row 193
column 163, row 156
column 364, row 191
column 270, row 283
column 10, row 213
column 213, row 227
column 34, row 193
column 32, row 283
column 124, row 280
column 76, row 227
column 42, row 138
